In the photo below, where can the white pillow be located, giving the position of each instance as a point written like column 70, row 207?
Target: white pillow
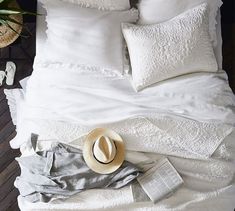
column 157, row 11
column 162, row 51
column 99, row 4
column 89, row 37
column 103, row 4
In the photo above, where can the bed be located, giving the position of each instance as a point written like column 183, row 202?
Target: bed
column 189, row 118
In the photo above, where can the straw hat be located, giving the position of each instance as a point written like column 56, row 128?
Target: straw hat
column 103, row 150
column 7, row 35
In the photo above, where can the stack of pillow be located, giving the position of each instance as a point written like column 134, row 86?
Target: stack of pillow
column 165, row 38
column 88, row 37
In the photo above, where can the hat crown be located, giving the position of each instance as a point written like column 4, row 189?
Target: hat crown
column 104, row 149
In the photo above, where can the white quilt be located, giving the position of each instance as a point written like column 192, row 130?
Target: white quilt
column 190, row 119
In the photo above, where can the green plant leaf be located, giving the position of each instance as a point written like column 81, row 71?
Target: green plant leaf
column 3, row 22
column 8, row 25
column 5, row 3
column 13, row 10
column 9, row 12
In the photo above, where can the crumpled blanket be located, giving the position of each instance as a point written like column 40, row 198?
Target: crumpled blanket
column 62, row 172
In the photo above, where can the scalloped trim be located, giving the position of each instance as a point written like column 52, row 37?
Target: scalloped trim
column 212, row 26
column 79, row 68
column 100, row 4
column 12, row 103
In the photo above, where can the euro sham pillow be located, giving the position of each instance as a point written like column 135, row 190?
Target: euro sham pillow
column 173, row 48
column 86, row 37
column 157, row 11
column 103, row 4
column 99, row 4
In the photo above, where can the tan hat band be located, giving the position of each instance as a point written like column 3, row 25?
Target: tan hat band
column 99, row 160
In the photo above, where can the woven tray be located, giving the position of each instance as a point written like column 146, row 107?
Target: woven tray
column 7, row 35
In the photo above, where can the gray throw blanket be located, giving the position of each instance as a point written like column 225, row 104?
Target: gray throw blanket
column 62, row 172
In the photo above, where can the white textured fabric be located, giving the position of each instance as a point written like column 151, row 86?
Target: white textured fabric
column 41, row 36
column 103, row 4
column 218, row 47
column 41, row 27
column 14, row 97
column 165, row 50
column 163, row 134
column 156, row 11
column 182, row 200
column 104, row 100
column 203, row 97
column 66, row 95
column 59, row 101
column 208, row 185
column 84, row 36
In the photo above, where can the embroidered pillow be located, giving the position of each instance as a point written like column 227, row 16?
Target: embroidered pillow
column 173, row 48
column 157, row 11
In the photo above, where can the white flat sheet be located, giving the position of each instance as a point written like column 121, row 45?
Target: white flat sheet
column 197, row 96
column 63, row 103
column 41, row 28
column 208, row 185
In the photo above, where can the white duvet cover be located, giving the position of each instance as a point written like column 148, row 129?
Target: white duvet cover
column 190, row 119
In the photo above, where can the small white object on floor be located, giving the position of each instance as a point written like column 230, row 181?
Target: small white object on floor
column 10, row 73
column 2, row 76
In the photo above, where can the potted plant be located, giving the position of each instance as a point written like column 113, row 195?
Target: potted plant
column 11, row 21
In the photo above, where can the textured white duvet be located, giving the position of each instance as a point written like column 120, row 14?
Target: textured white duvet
column 190, row 118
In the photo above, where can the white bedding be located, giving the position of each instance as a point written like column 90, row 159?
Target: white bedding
column 41, row 34
column 163, row 47
column 154, row 123
column 156, row 120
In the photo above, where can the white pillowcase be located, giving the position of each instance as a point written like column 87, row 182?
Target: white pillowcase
column 157, row 11
column 103, row 4
column 88, row 37
column 99, row 4
column 173, row 48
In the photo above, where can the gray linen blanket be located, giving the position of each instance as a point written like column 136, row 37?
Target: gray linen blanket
column 62, row 172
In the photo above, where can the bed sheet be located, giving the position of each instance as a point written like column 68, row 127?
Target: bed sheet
column 207, row 186
column 53, row 107
column 41, row 28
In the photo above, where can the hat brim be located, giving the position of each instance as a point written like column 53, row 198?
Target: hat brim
column 88, row 155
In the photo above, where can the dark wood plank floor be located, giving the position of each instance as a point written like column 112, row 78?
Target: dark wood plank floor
column 22, row 53
column 8, row 166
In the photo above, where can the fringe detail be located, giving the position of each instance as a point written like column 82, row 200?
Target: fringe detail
column 99, row 4
column 13, row 96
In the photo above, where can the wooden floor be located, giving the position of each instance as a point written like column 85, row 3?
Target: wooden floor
column 22, row 53
column 8, row 166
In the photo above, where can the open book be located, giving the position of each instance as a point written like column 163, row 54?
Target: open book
column 158, row 182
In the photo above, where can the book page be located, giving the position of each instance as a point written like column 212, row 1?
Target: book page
column 160, row 181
